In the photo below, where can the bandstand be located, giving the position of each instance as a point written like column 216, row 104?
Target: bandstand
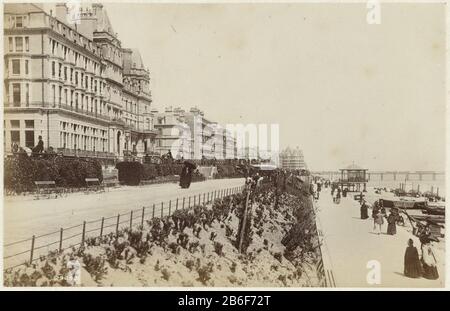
column 354, row 178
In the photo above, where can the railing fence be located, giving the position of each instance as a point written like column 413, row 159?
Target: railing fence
column 106, row 225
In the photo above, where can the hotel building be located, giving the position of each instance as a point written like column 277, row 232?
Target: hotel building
column 292, row 159
column 72, row 83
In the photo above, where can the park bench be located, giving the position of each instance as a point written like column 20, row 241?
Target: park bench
column 47, row 188
column 93, row 184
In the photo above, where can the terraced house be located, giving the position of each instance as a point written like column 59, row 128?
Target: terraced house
column 71, row 82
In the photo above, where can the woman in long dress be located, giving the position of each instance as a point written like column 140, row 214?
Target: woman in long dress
column 413, row 268
column 429, row 262
column 391, row 220
column 364, row 211
column 183, row 177
column 378, row 222
column 186, row 174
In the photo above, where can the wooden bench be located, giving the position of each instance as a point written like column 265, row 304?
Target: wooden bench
column 94, row 184
column 47, row 188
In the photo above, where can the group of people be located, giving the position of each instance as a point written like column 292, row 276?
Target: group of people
column 253, row 181
column 379, row 215
column 336, row 193
column 426, row 266
column 39, row 148
column 414, row 266
column 316, row 188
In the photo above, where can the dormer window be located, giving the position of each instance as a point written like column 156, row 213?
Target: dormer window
column 19, row 21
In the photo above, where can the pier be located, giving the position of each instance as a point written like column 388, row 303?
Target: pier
column 390, row 175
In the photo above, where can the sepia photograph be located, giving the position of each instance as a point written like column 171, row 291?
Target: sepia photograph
column 160, row 144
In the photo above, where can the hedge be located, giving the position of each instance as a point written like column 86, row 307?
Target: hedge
column 227, row 171
column 22, row 171
column 131, row 173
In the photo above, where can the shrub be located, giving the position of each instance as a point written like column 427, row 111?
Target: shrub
column 204, row 274
column 149, row 171
column 95, row 266
column 218, row 248
column 130, row 173
column 22, row 171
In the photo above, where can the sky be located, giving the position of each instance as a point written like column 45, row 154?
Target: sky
column 341, row 89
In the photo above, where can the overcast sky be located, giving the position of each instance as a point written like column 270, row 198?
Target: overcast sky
column 341, row 89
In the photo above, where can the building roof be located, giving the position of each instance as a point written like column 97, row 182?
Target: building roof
column 136, row 59
column 21, row 8
column 292, row 152
column 103, row 23
column 353, row 166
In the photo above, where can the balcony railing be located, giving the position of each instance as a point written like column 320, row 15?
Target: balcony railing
column 85, row 153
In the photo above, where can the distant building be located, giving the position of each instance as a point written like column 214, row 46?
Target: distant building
column 190, row 135
column 173, row 134
column 292, row 159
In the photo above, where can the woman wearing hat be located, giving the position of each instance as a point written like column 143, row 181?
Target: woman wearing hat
column 429, row 261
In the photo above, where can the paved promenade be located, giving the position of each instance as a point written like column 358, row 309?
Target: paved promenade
column 350, row 243
column 25, row 216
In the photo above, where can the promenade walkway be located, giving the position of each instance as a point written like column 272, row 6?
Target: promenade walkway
column 25, row 216
column 350, row 243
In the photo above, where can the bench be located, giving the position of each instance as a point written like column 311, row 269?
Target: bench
column 93, row 184
column 47, row 188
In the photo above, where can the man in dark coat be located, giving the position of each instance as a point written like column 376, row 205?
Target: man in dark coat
column 39, row 148
column 413, row 268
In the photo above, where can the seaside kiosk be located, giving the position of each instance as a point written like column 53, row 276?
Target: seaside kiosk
column 353, row 178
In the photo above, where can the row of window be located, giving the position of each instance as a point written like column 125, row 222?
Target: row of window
column 79, row 78
column 68, row 126
column 15, row 124
column 77, row 38
column 18, row 21
column 18, row 44
column 59, row 49
column 15, row 138
column 82, row 142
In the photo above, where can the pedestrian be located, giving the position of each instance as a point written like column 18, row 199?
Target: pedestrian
column 413, row 268
column 391, row 220
column 364, row 210
column 39, row 148
column 378, row 222
column 375, row 209
column 186, row 174
column 429, row 261
column 313, row 189
column 338, row 197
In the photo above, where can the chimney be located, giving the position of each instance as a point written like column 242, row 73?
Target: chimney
column 97, row 7
column 87, row 25
column 61, row 12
